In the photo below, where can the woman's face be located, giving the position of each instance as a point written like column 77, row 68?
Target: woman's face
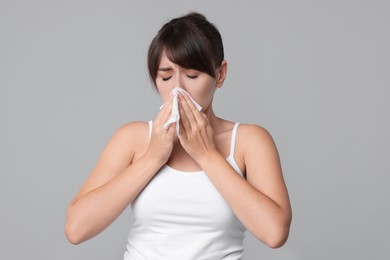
column 199, row 85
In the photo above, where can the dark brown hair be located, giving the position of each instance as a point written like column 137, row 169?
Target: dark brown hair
column 190, row 41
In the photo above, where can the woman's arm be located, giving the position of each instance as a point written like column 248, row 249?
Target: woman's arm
column 112, row 186
column 119, row 176
column 261, row 202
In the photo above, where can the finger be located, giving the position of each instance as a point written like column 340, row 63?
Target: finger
column 165, row 112
column 195, row 112
column 187, row 111
column 184, row 120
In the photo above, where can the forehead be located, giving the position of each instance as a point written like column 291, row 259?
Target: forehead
column 165, row 62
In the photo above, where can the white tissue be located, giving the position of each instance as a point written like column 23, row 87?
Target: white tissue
column 175, row 115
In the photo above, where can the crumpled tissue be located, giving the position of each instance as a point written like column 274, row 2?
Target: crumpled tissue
column 175, row 115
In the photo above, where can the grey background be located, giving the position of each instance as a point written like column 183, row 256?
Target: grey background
column 314, row 73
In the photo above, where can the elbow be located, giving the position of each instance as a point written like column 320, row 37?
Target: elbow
column 278, row 239
column 72, row 234
column 72, row 230
column 278, row 236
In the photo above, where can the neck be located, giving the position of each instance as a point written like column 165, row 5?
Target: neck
column 213, row 119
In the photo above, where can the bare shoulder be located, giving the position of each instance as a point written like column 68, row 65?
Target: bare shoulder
column 118, row 153
column 132, row 131
column 254, row 145
column 252, row 134
column 131, row 137
column 257, row 150
column 124, row 144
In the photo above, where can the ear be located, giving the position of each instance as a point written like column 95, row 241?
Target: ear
column 221, row 74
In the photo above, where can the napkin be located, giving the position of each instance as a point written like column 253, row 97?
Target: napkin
column 175, row 115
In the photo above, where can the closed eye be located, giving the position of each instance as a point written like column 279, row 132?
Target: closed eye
column 167, row 78
column 192, row 77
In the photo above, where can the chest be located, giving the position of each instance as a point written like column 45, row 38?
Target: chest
column 182, row 199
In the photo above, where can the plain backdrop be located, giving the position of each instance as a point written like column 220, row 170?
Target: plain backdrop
column 315, row 74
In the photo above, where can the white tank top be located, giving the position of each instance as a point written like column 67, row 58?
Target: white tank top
column 182, row 216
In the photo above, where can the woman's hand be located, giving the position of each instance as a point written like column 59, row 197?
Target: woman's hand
column 161, row 141
column 196, row 133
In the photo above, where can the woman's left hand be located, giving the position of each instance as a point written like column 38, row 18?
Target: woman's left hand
column 196, row 134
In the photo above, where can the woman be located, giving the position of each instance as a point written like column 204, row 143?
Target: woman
column 193, row 192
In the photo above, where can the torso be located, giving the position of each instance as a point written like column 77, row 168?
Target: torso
column 180, row 205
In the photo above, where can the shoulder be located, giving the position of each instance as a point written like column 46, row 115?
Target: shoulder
column 254, row 141
column 259, row 155
column 129, row 139
column 249, row 133
column 132, row 130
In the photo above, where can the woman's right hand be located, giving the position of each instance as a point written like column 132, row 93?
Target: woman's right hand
column 162, row 139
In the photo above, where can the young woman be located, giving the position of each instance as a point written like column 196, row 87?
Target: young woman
column 195, row 193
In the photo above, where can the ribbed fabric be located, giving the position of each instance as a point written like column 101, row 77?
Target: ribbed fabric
column 182, row 216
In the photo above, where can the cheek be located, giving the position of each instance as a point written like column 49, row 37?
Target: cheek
column 164, row 93
column 205, row 102
column 203, row 96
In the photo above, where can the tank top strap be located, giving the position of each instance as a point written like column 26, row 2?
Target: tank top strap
column 150, row 129
column 233, row 139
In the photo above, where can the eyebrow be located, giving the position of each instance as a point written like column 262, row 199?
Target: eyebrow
column 165, row 69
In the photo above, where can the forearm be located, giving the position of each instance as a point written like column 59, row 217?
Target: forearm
column 97, row 209
column 262, row 216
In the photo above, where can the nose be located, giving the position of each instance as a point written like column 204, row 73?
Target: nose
column 178, row 82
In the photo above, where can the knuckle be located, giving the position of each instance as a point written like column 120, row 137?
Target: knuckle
column 202, row 124
column 195, row 129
